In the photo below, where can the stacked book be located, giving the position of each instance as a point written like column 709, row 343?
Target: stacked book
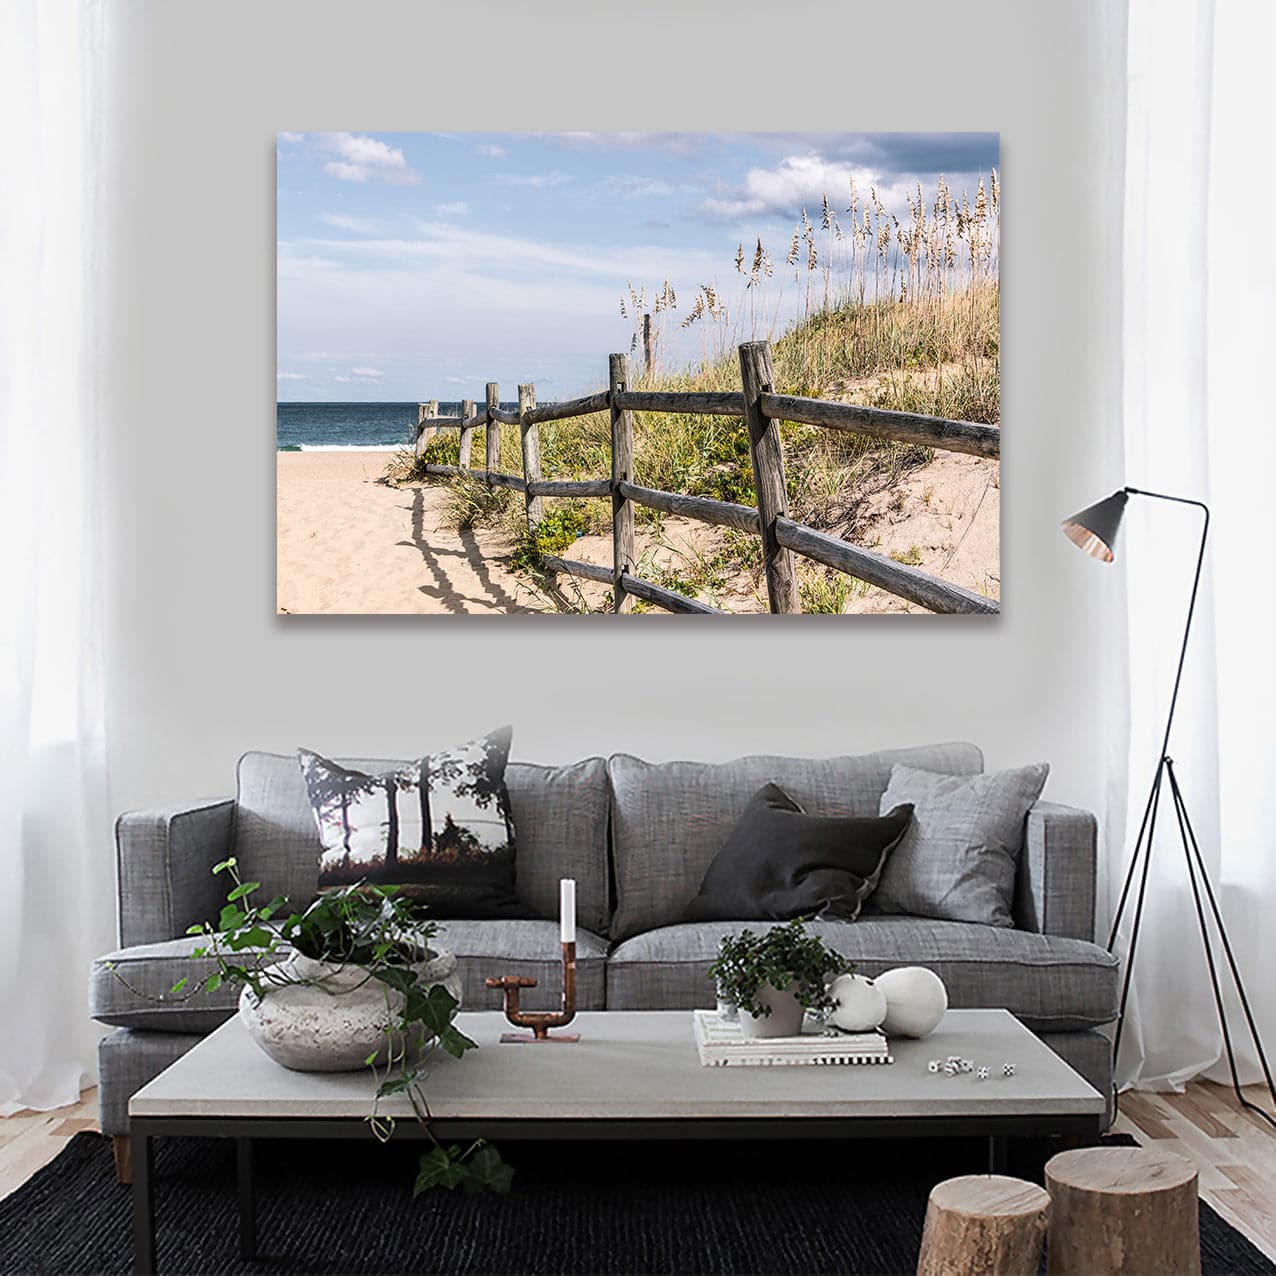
column 722, row 1044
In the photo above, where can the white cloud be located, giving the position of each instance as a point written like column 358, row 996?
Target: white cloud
column 635, row 187
column 458, row 380
column 447, row 244
column 327, row 356
column 367, row 372
column 291, row 376
column 359, row 157
column 490, row 150
column 796, row 182
column 457, row 208
column 291, row 138
column 536, row 181
column 355, row 225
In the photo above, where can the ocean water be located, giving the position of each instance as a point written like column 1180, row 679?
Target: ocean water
column 325, row 427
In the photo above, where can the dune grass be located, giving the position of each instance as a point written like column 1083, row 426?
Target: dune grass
column 895, row 313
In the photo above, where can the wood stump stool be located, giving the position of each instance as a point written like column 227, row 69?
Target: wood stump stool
column 1123, row 1210
column 981, row 1224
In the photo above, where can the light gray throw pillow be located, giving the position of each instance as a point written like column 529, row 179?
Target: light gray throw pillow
column 958, row 858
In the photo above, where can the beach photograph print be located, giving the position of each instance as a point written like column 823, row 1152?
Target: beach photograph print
column 638, row 373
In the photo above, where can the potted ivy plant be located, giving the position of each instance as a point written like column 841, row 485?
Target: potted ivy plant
column 349, row 982
column 775, row 977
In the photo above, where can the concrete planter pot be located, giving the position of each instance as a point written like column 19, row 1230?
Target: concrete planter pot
column 338, row 1017
column 785, row 1019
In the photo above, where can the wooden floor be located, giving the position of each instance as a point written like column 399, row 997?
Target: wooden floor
column 1234, row 1151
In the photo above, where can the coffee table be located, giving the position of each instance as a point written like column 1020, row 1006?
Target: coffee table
column 632, row 1075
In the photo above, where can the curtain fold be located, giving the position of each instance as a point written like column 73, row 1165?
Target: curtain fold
column 1198, row 412
column 56, row 906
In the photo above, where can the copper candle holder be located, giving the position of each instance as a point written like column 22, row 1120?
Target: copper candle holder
column 540, row 1021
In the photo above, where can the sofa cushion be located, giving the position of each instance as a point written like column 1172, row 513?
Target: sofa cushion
column 531, row 948
column 560, row 814
column 669, row 819
column 958, row 858
column 1051, row 984
column 136, row 994
column 482, row 948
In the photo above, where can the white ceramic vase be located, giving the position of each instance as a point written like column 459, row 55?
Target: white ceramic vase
column 785, row 1019
column 338, row 1017
column 915, row 1001
column 859, row 1004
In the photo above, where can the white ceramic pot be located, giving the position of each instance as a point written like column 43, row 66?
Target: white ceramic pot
column 861, row 1004
column 336, row 1019
column 915, row 1001
column 785, row 1019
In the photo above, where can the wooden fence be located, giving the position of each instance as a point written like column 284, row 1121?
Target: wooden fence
column 761, row 410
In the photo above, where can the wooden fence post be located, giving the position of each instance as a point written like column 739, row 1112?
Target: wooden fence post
column 647, row 353
column 530, row 439
column 493, row 429
column 425, row 412
column 768, row 474
column 622, row 471
column 467, row 435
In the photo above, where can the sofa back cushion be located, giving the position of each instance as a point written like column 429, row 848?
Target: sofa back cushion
column 669, row 819
column 560, row 814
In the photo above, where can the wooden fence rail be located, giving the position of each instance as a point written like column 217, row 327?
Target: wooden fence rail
column 761, row 409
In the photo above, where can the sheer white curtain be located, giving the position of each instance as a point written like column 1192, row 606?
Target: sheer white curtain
column 56, row 896
column 1200, row 421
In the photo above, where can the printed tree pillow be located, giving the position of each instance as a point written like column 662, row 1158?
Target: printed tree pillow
column 439, row 828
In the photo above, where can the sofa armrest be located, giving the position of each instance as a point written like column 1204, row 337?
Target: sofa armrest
column 1055, row 891
column 164, row 868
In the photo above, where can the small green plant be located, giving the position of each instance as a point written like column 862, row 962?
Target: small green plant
column 471, row 503
column 383, row 933
column 828, row 593
column 910, row 557
column 786, row 956
column 557, row 531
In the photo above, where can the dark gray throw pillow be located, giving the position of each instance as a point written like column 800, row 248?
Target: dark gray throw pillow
column 779, row 862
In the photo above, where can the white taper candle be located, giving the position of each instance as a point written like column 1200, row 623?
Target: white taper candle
column 567, row 909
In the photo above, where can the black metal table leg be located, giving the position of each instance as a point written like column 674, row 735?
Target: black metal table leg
column 143, row 1203
column 996, row 1154
column 247, row 1199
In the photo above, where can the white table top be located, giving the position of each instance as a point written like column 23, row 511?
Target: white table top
column 636, row 1065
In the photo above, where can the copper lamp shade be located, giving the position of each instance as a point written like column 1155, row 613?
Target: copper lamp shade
column 1095, row 528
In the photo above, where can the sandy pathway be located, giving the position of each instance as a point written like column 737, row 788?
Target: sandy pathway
column 349, row 543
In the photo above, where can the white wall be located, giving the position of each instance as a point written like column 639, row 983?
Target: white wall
column 201, row 667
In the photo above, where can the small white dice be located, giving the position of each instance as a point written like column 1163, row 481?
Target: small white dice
column 965, row 1066
column 983, row 1074
column 1007, row 1069
column 950, row 1069
column 933, row 1066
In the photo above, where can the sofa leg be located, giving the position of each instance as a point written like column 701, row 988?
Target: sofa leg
column 123, row 1149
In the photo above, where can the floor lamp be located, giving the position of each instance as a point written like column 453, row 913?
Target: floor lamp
column 1094, row 530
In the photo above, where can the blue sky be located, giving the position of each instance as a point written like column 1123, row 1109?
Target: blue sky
column 421, row 265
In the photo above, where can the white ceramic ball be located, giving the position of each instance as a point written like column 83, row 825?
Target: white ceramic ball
column 915, row 1001
column 861, row 1005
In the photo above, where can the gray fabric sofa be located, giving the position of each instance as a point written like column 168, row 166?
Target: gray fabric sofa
column 637, row 837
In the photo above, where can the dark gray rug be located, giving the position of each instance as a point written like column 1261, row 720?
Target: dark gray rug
column 578, row 1208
